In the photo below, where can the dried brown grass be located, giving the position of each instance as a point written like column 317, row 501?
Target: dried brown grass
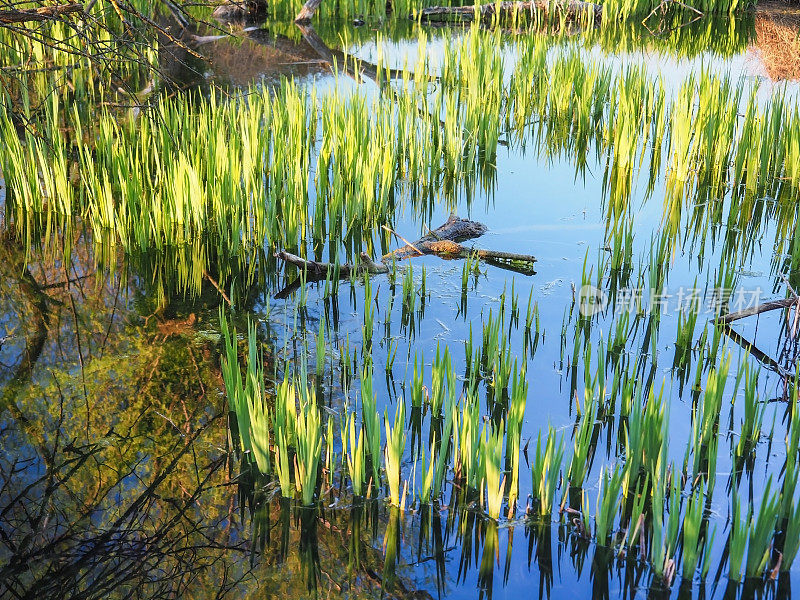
column 778, row 40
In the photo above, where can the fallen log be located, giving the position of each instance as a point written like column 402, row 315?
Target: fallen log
column 522, row 263
column 442, row 241
column 573, row 8
column 453, row 230
column 44, row 13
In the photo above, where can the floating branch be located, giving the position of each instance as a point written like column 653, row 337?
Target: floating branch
column 442, row 241
column 728, row 318
column 757, row 310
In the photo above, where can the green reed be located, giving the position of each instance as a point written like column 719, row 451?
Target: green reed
column 283, row 430
column 232, row 377
column 693, row 545
column 635, row 521
column 516, row 414
column 491, row 453
column 753, row 413
column 791, row 543
column 251, row 186
column 259, row 414
column 308, row 449
column 737, row 539
column 371, row 421
column 442, row 381
column 608, row 503
column 246, row 399
column 546, row 471
column 356, row 460
column 395, row 445
column 417, row 383
column 644, row 439
column 791, row 467
column 761, row 530
column 440, row 470
column 582, row 445
column 427, row 480
column 469, row 437
column 705, row 422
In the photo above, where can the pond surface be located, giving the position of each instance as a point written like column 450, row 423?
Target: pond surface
column 120, row 470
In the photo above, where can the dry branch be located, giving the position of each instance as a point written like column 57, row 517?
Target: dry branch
column 757, row 310
column 574, row 8
column 45, row 13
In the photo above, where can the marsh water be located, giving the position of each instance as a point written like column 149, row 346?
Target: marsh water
column 119, row 470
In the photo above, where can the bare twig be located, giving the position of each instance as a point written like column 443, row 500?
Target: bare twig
column 400, row 237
